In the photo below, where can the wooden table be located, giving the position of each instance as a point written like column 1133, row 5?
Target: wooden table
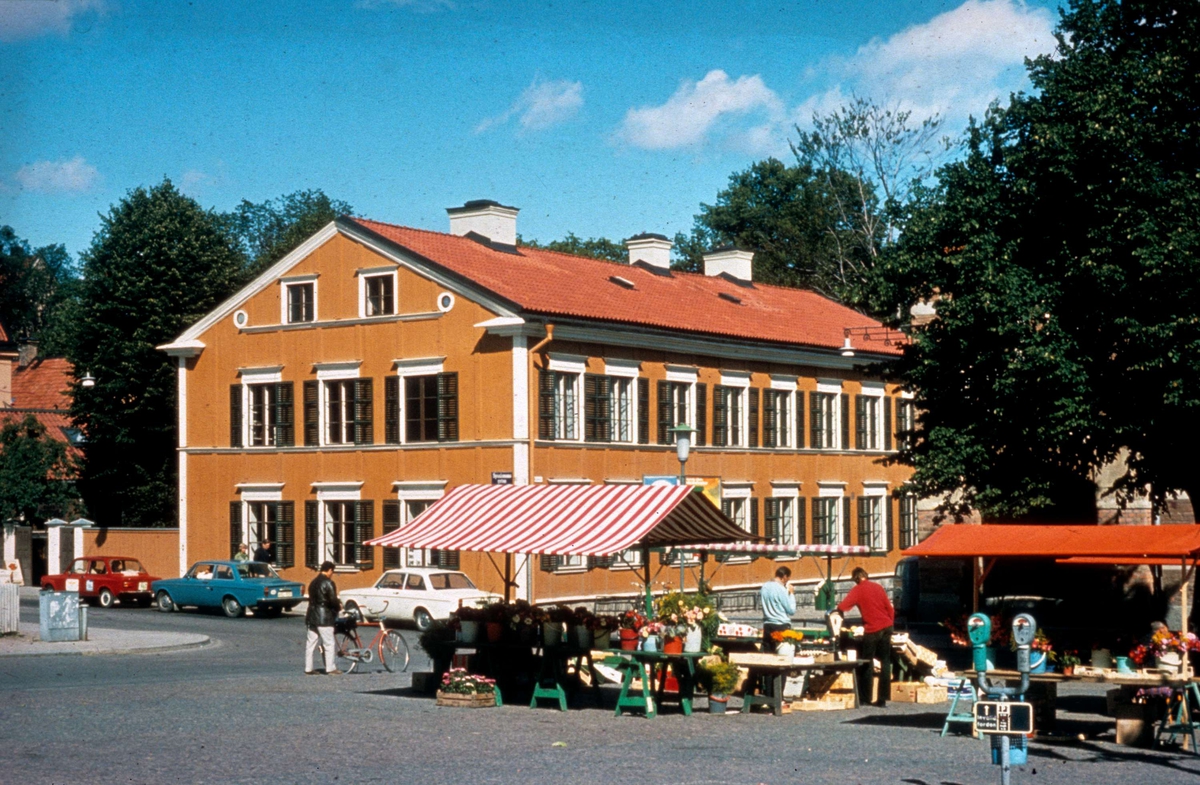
column 772, row 676
column 642, row 665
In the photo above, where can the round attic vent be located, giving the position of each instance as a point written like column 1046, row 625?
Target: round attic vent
column 445, row 302
column 241, row 318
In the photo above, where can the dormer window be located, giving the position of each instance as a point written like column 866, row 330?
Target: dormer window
column 377, row 292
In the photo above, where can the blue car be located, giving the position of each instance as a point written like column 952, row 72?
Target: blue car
column 231, row 586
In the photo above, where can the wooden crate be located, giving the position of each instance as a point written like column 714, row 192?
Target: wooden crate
column 828, row 703
column 757, row 658
column 474, row 700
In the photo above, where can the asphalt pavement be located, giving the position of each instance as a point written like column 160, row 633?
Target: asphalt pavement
column 238, row 709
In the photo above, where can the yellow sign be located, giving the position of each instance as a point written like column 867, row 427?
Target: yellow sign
column 709, row 486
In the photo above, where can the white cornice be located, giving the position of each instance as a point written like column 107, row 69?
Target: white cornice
column 181, row 348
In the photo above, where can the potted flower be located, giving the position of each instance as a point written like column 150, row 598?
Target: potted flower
column 601, row 628
column 786, row 642
column 722, row 678
column 554, row 621
column 630, row 621
column 468, row 619
column 651, row 633
column 469, row 690
column 1069, row 660
column 495, row 619
column 694, row 617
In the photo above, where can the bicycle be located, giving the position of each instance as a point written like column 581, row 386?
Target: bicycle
column 349, row 650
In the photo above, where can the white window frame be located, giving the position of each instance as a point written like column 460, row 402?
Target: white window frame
column 786, row 384
column 740, row 381
column 875, row 390
column 904, row 497
column 624, row 372
column 878, row 492
column 252, row 493
column 418, row 366
column 416, row 492
column 377, row 272
column 293, row 280
column 252, row 377
column 332, row 372
column 689, row 375
column 333, row 492
column 834, row 388
column 788, row 491
column 743, row 492
column 908, row 399
column 567, row 364
column 835, row 490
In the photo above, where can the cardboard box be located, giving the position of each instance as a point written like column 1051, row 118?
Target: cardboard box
column 1135, row 725
column 918, row 692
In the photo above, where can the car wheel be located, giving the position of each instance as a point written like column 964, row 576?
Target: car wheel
column 232, row 607
column 165, row 604
column 105, row 599
column 422, row 619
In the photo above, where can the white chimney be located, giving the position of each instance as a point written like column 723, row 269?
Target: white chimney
column 731, row 260
column 491, row 219
column 653, row 249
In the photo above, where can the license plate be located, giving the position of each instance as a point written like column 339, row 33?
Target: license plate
column 72, row 584
column 143, row 586
column 285, row 592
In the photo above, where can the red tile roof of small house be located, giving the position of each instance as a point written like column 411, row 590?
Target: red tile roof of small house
column 549, row 283
column 43, row 384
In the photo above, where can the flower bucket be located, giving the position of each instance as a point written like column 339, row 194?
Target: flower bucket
column 1037, row 662
column 1101, row 658
column 629, row 640
column 694, row 639
column 1170, row 662
column 650, row 643
column 673, row 644
column 717, row 704
column 470, row 632
column 602, row 639
column 581, row 636
column 787, row 650
column 494, row 630
column 551, row 634
column 1122, row 664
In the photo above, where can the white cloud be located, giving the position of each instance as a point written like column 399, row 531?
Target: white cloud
column 541, row 105
column 696, row 108
column 20, row 19
column 70, row 176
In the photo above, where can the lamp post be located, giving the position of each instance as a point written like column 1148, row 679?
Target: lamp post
column 683, row 446
column 88, row 381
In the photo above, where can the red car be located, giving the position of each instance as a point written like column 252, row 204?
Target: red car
column 104, row 579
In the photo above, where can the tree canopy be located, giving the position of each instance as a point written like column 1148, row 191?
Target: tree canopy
column 270, row 230
column 594, row 247
column 158, row 263
column 36, row 289
column 1062, row 255
column 35, row 472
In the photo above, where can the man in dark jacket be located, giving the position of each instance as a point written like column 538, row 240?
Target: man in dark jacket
column 264, row 553
column 323, row 606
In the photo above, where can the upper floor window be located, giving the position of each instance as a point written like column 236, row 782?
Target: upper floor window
column 301, row 302
column 609, row 408
column 777, row 418
column 909, row 533
column 261, row 413
column 339, row 411
column 906, row 423
column 558, row 405
column 823, row 420
column 780, row 518
column 729, row 410
column 872, row 523
column 869, row 421
column 674, row 408
column 830, row 521
column 379, row 294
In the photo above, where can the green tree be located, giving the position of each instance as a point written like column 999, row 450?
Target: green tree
column 594, row 247
column 270, row 230
column 1062, row 251
column 35, row 472
column 158, row 263
column 37, row 290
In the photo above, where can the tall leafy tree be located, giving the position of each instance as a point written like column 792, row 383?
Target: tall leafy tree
column 594, row 247
column 272, row 229
column 37, row 289
column 1062, row 254
column 158, row 263
column 35, row 473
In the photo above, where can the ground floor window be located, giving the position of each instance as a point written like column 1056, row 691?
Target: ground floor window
column 827, row 521
column 872, row 520
column 337, row 531
column 909, row 534
column 254, row 522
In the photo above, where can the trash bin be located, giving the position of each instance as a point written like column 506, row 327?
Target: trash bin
column 63, row 617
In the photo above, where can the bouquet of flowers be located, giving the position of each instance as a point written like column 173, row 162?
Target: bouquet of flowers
column 678, row 624
column 597, row 623
column 651, row 628
column 458, row 681
column 632, row 620
column 1001, row 635
column 787, row 636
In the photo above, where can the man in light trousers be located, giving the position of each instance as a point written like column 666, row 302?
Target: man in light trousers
column 323, row 607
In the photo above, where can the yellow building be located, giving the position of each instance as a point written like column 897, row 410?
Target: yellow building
column 346, row 388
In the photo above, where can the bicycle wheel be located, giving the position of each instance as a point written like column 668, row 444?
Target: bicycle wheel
column 343, row 644
column 393, row 651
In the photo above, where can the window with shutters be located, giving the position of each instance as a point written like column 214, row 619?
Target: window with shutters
column 262, row 419
column 872, row 517
column 906, row 423
column 609, row 408
column 272, row 521
column 558, row 405
column 868, row 427
column 674, row 408
column 391, row 522
column 737, row 509
column 628, row 559
column 729, row 411
column 824, row 420
column 777, row 418
column 420, row 409
column 301, row 302
column 428, row 409
column 909, row 534
column 339, row 412
column 340, row 532
column 379, row 294
column 425, row 557
column 827, row 520
column 779, row 516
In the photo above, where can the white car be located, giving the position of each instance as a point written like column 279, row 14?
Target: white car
column 416, row 594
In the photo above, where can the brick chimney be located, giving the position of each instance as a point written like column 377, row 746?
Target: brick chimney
column 730, row 260
column 484, row 217
column 27, row 352
column 653, row 249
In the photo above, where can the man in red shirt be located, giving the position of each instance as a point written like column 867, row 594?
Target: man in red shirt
column 878, row 616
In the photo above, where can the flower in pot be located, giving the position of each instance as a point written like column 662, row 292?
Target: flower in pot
column 630, row 622
column 722, row 678
column 650, row 633
column 786, row 642
column 1069, row 660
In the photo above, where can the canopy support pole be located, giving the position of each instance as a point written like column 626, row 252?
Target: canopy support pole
column 1187, row 573
column 508, row 581
column 646, row 578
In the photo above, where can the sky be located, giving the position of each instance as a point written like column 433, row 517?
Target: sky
column 605, row 119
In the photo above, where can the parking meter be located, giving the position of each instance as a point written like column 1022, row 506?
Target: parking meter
column 1024, row 628
column 979, row 630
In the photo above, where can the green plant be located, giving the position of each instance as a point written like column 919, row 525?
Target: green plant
column 459, row 682
column 722, row 677
column 1069, row 659
column 438, row 642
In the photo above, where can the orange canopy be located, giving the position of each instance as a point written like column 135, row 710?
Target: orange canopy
column 1092, row 544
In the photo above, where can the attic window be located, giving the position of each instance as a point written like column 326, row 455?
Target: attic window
column 619, row 281
column 731, row 298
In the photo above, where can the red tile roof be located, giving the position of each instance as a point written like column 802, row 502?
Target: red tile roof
column 53, row 422
column 556, row 284
column 43, row 384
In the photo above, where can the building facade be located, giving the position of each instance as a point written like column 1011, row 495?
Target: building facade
column 348, row 387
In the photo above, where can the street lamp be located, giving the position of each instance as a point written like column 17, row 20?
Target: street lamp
column 88, row 381
column 683, row 446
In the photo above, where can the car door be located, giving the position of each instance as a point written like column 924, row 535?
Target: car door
column 224, row 582
column 414, row 595
column 382, row 599
column 193, row 590
column 94, row 579
column 74, row 576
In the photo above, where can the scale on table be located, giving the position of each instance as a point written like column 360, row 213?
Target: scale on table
column 1006, row 722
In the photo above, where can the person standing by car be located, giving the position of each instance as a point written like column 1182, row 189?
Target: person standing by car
column 323, row 606
column 243, row 553
column 778, row 606
column 263, row 553
column 878, row 616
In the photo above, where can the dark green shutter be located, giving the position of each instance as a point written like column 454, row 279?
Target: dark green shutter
column 643, row 410
column 447, row 407
column 545, row 404
column 720, row 436
column 816, row 421
column 754, row 527
column 391, row 410
column 799, row 443
column 599, row 562
column 364, row 411
column 597, row 408
column 820, row 520
column 771, row 519
column 311, row 535
column 727, row 511
column 887, row 423
column 235, row 527
column 864, row 522
column 285, row 534
column 364, row 529
column 285, row 415
column 801, row 520
column 701, row 415
column 889, row 522
column 391, row 522
column 235, row 415
column 312, row 427
column 770, row 418
column 664, row 413
column 445, row 560
column 549, row 562
column 752, row 437
column 845, row 421
column 860, row 423
column 846, row 521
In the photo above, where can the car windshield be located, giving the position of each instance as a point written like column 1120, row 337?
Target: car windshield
column 450, row 580
column 256, row 569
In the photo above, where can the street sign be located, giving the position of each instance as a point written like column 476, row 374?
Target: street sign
column 502, row 478
column 1003, row 717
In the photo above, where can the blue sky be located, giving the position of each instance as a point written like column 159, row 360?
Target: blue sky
column 601, row 118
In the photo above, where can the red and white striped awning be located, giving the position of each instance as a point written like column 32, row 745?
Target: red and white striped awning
column 778, row 550
column 585, row 520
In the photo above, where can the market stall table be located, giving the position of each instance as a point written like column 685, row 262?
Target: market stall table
column 771, row 677
column 642, row 665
